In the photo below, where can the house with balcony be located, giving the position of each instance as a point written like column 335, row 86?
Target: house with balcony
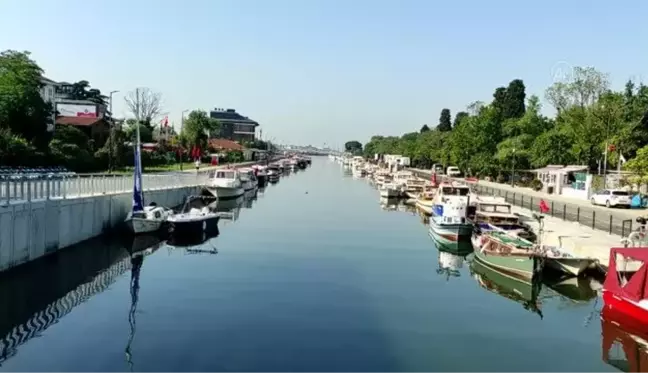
column 234, row 126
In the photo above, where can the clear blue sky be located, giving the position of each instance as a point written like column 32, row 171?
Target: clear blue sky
column 316, row 71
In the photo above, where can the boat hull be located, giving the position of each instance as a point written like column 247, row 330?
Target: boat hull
column 523, row 268
column 425, row 206
column 572, row 266
column 450, row 233
column 625, row 307
column 140, row 225
column 195, row 228
column 226, row 193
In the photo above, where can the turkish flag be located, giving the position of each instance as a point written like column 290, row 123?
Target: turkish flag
column 544, row 208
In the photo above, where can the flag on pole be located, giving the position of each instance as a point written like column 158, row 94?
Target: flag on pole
column 544, row 208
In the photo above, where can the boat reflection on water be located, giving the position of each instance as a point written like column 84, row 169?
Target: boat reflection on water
column 136, row 260
column 521, row 291
column 229, row 209
column 139, row 243
column 389, row 204
column 576, row 289
column 450, row 264
column 624, row 344
column 249, row 197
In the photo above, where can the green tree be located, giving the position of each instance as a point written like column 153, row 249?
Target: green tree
column 445, row 121
column 14, row 149
column 639, row 165
column 459, row 117
column 196, row 129
column 72, row 148
column 425, row 128
column 22, row 109
column 146, row 132
column 552, row 147
column 354, row 147
column 81, row 90
column 514, row 100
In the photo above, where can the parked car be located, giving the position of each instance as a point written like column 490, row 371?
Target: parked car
column 612, row 197
column 453, row 171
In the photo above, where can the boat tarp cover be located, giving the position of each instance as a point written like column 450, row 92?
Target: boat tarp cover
column 637, row 288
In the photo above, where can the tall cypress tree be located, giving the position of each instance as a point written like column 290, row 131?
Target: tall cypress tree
column 445, row 121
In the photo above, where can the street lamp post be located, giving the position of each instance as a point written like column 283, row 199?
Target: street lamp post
column 605, row 155
column 513, row 170
column 181, row 128
column 111, row 136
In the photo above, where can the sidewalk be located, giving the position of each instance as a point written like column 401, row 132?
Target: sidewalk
column 620, row 212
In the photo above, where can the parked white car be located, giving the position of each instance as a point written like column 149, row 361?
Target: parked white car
column 453, row 171
column 612, row 197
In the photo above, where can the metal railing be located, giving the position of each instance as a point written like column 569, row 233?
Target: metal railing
column 27, row 190
column 593, row 218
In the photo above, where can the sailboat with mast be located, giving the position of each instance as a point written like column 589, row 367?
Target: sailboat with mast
column 143, row 219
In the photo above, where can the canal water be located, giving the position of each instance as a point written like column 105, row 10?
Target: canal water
column 311, row 274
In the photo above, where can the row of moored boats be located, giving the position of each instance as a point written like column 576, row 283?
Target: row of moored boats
column 197, row 215
column 464, row 221
column 511, row 248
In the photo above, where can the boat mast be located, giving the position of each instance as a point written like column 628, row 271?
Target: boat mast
column 138, row 195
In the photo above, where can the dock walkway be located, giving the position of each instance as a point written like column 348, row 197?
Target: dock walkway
column 614, row 221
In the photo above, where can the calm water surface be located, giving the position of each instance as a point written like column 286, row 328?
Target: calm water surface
column 313, row 275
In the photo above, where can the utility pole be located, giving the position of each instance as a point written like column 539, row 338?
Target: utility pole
column 607, row 126
column 111, row 136
column 181, row 128
column 513, row 170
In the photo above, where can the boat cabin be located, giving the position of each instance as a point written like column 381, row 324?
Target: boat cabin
column 498, row 214
column 454, row 190
column 227, row 174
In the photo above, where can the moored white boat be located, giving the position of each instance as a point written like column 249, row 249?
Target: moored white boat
column 193, row 221
column 225, row 184
column 143, row 219
column 148, row 220
column 452, row 226
column 248, row 178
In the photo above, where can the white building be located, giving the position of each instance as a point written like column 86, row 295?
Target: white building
column 48, row 93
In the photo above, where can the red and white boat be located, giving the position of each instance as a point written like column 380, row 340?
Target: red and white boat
column 626, row 285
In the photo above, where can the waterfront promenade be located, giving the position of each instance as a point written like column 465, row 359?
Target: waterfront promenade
column 38, row 217
column 87, row 185
column 614, row 221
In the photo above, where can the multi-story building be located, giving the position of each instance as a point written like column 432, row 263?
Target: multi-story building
column 234, row 126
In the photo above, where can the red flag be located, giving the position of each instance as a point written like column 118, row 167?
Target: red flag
column 544, row 208
column 165, row 121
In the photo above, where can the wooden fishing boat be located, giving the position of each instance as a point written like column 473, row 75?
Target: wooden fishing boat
column 425, row 199
column 510, row 255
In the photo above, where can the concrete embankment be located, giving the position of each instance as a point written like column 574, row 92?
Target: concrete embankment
column 31, row 230
column 65, row 213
